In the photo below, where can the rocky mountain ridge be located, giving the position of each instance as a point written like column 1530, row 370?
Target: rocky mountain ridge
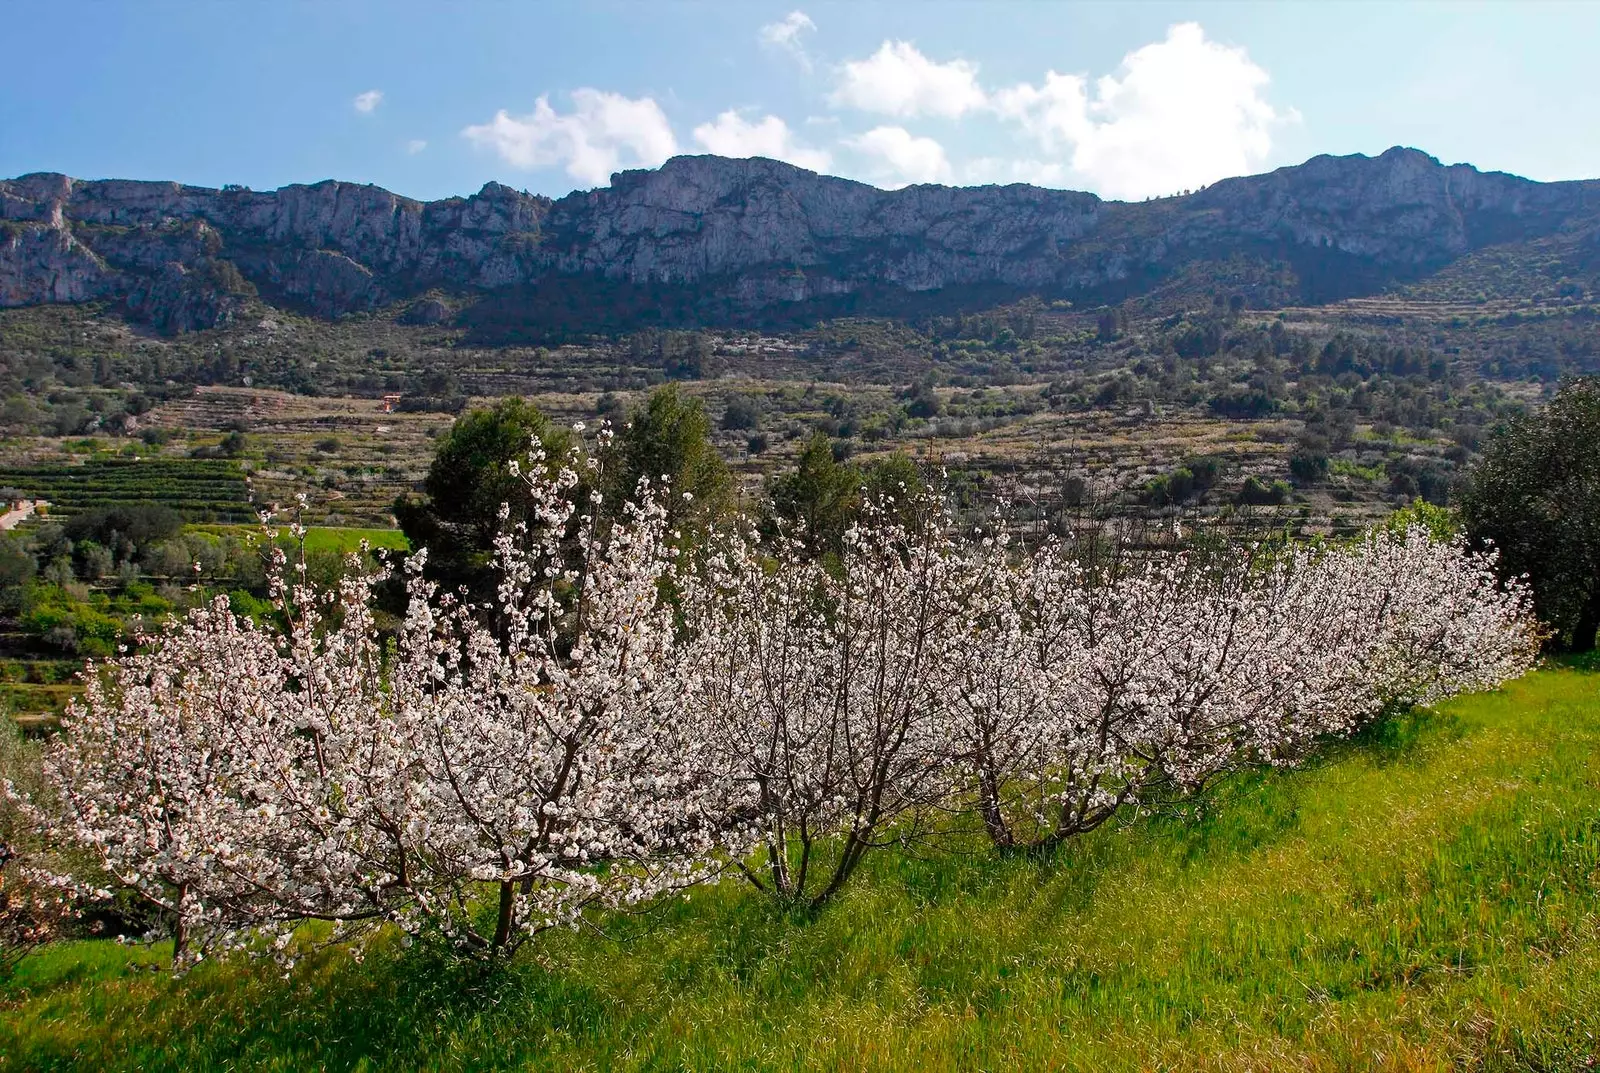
column 745, row 238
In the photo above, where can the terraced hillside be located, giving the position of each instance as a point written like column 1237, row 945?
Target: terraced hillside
column 204, row 490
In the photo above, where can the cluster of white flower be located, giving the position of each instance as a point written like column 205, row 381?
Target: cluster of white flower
column 494, row 771
column 616, row 722
column 825, row 691
column 921, row 676
column 1078, row 691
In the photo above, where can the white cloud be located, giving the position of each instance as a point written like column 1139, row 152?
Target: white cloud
column 785, row 34
column 366, row 102
column 985, row 170
column 732, row 135
column 1179, row 113
column 898, row 80
column 415, row 146
column 897, row 157
column 603, row 133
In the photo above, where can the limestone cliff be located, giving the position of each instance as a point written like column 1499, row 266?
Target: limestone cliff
column 739, row 236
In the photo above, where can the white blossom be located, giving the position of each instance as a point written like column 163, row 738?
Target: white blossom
column 579, row 741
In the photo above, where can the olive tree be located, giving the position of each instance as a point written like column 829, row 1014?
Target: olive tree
column 1535, row 496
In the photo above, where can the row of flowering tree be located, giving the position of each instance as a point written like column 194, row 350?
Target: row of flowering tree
column 622, row 719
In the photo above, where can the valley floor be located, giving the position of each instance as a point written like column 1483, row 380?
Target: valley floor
column 1428, row 898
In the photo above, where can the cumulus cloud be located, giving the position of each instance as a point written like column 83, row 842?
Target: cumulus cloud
column 1179, row 113
column 898, row 80
column 603, row 133
column 786, row 34
column 733, row 135
column 366, row 102
column 896, row 157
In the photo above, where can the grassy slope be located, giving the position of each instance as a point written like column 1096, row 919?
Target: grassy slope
column 1426, row 901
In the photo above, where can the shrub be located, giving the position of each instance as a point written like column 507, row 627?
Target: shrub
column 741, row 413
column 1258, row 493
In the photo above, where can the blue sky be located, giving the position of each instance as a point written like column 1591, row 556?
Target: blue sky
column 1127, row 100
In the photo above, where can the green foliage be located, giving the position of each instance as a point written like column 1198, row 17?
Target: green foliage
column 1343, row 468
column 1535, row 495
column 922, row 401
column 332, row 538
column 823, row 496
column 79, row 622
column 894, row 482
column 670, row 437
column 742, row 413
column 1424, row 900
column 1308, row 465
column 234, row 444
column 17, row 568
column 343, row 541
column 1441, row 523
column 819, row 499
column 1258, row 493
column 125, row 528
column 1191, row 480
column 471, row 477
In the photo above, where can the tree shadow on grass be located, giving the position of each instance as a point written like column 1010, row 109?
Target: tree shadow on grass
column 1241, row 814
column 1402, row 735
column 333, row 1012
column 1254, row 807
column 1582, row 662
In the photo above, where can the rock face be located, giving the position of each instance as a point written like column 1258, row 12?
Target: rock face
column 737, row 236
column 426, row 312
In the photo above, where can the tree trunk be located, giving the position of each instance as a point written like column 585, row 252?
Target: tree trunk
column 1583, row 635
column 778, row 866
column 178, row 942
column 502, row 924
column 180, row 938
column 994, row 819
column 854, row 849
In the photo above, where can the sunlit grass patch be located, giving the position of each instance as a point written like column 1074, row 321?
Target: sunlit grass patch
column 324, row 538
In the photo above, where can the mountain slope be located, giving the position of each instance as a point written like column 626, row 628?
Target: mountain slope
column 712, row 239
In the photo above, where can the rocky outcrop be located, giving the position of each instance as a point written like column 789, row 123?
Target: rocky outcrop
column 707, row 218
column 736, row 236
column 426, row 312
column 47, row 264
column 329, row 248
column 1402, row 207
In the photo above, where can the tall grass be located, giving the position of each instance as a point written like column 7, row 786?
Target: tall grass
column 1427, row 898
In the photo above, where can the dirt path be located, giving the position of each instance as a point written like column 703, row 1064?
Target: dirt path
column 11, row 518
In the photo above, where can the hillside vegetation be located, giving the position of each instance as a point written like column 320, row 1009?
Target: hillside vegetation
column 1425, row 898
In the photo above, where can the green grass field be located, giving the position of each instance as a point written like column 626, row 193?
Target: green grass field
column 323, row 537
column 1425, row 899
